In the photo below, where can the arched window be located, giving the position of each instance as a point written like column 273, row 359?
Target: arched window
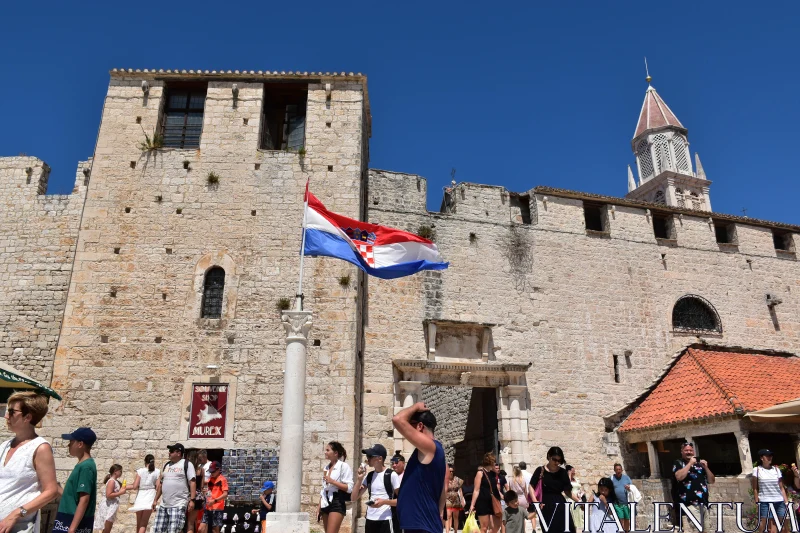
column 663, row 159
column 645, row 160
column 694, row 313
column 213, row 288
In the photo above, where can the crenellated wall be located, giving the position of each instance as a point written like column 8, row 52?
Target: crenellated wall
column 38, row 234
column 568, row 301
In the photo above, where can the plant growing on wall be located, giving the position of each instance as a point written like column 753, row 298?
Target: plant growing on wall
column 283, row 304
column 151, row 143
column 344, row 281
column 426, row 232
column 302, row 151
column 213, row 178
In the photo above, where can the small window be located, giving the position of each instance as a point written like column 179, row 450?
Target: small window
column 695, row 314
column 726, row 233
column 521, row 202
column 593, row 215
column 283, row 121
column 183, row 117
column 213, row 289
column 616, row 369
column 662, row 226
column 782, row 240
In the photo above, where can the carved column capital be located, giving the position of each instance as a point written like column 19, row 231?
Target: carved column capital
column 297, row 325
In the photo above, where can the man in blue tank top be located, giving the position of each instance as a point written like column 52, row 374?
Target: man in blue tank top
column 420, row 502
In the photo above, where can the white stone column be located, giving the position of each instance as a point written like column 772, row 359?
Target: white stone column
column 408, row 393
column 517, row 416
column 288, row 518
column 652, row 455
column 745, row 457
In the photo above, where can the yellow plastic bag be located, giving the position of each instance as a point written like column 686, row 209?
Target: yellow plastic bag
column 471, row 524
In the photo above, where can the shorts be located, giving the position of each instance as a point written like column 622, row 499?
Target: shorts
column 623, row 511
column 764, row 512
column 336, row 506
column 378, row 526
column 455, row 509
column 169, row 520
column 213, row 518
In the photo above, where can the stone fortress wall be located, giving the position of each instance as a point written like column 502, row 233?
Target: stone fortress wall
column 133, row 340
column 38, row 238
column 567, row 302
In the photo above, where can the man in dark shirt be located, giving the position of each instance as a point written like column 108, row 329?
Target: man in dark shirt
column 691, row 481
column 420, row 503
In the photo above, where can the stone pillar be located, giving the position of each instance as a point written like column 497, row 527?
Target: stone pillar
column 516, row 416
column 745, row 457
column 796, row 443
column 431, row 341
column 652, row 455
column 408, row 393
column 288, row 518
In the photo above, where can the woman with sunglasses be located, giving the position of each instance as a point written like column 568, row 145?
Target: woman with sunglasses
column 27, row 467
column 555, row 484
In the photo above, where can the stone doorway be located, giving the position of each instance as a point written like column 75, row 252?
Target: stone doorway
column 489, row 401
column 468, row 427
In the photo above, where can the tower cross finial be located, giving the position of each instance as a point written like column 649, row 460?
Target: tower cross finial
column 647, row 70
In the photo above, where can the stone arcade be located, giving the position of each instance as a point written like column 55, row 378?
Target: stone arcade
column 164, row 275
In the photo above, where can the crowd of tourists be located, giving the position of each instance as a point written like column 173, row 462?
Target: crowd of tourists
column 419, row 496
column 185, row 496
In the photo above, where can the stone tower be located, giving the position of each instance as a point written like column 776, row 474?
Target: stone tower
column 661, row 148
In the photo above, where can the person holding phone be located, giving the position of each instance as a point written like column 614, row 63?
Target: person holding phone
column 692, row 478
column 380, row 484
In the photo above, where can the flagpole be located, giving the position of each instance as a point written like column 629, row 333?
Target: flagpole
column 299, row 296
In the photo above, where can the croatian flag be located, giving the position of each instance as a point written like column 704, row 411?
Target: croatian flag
column 377, row 250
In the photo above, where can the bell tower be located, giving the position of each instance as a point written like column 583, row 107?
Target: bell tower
column 664, row 163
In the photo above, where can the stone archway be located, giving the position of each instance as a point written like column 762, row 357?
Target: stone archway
column 507, row 379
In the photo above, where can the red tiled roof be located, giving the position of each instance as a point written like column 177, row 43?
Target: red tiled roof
column 707, row 383
column 655, row 114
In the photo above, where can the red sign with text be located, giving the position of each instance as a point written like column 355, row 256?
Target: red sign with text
column 209, row 410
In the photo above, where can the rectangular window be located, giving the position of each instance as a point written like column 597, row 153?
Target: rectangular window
column 726, row 233
column 616, row 369
column 782, row 240
column 521, row 202
column 283, row 121
column 662, row 226
column 183, row 117
column 594, row 218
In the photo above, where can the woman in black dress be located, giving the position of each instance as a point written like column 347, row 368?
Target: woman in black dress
column 485, row 489
column 555, row 483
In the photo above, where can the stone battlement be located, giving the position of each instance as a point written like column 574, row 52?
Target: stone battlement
column 552, row 209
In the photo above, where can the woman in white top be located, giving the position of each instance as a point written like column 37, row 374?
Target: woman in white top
column 27, row 468
column 768, row 490
column 577, row 496
column 145, row 483
column 109, row 500
column 337, row 484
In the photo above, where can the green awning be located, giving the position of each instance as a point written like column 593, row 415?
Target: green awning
column 14, row 379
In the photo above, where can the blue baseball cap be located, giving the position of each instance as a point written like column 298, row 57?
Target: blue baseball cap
column 85, row 435
column 267, row 485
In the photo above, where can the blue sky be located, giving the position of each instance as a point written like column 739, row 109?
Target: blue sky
column 513, row 94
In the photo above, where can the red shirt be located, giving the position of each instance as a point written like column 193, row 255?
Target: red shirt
column 217, row 485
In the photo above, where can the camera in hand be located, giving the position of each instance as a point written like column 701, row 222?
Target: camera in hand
column 370, row 503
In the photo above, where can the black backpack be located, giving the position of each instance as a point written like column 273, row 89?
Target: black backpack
column 387, row 485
